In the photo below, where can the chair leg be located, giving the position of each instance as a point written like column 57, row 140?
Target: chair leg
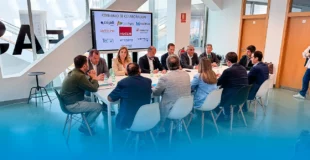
column 41, row 94
column 129, row 134
column 137, row 143
column 36, row 97
column 47, row 95
column 262, row 104
column 63, row 131
column 202, row 122
column 153, row 139
column 85, row 121
column 30, row 94
column 255, row 103
column 218, row 115
column 170, row 136
column 161, row 126
column 231, row 116
column 69, row 128
column 243, row 118
column 214, row 122
column 190, row 120
column 189, row 138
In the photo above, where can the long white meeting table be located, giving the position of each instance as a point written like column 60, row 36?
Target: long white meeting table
column 104, row 91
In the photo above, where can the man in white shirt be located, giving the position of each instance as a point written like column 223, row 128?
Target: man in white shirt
column 306, row 78
column 190, row 58
column 150, row 62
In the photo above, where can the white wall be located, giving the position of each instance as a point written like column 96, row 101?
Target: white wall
column 223, row 27
column 275, row 32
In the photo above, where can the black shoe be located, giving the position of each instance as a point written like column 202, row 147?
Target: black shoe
column 84, row 130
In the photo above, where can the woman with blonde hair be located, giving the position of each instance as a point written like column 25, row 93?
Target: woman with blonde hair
column 204, row 82
column 120, row 63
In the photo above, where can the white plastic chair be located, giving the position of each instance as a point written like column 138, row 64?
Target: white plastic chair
column 146, row 118
column 211, row 102
column 271, row 80
column 181, row 108
column 262, row 91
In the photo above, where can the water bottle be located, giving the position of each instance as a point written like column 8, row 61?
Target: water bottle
column 112, row 75
column 151, row 73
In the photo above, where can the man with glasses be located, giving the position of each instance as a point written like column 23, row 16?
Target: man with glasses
column 189, row 59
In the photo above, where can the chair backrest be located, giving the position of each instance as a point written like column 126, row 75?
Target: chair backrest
column 61, row 102
column 212, row 100
column 241, row 95
column 271, row 80
column 181, row 108
column 263, row 89
column 146, row 118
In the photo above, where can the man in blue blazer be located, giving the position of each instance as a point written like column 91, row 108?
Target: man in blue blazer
column 258, row 74
column 150, row 63
column 232, row 79
column 133, row 92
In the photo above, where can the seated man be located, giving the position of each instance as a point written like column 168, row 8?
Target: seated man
column 172, row 86
column 150, row 63
column 245, row 61
column 133, row 92
column 98, row 64
column 258, row 74
column 210, row 55
column 171, row 48
column 232, row 79
column 74, row 87
column 189, row 59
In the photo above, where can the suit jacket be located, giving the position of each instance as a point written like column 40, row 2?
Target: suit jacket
column 118, row 68
column 213, row 57
column 145, row 66
column 243, row 62
column 231, row 81
column 101, row 67
column 163, row 60
column 133, row 92
column 185, row 61
column 171, row 86
column 257, row 76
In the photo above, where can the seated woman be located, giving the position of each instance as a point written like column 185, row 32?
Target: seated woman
column 121, row 61
column 204, row 82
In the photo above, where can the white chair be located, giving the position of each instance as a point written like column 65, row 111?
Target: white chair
column 271, row 80
column 181, row 108
column 146, row 118
column 211, row 102
column 262, row 91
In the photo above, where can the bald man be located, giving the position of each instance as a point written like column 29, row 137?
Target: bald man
column 189, row 59
column 150, row 63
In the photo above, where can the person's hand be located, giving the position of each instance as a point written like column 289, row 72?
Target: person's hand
column 180, row 68
column 155, row 71
column 164, row 71
column 218, row 75
column 126, row 72
column 92, row 74
column 214, row 64
column 100, row 77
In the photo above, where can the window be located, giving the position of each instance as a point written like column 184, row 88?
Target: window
column 300, row 6
column 256, row 7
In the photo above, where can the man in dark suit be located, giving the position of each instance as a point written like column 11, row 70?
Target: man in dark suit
column 210, row 55
column 98, row 64
column 189, row 59
column 133, row 92
column 163, row 59
column 232, row 79
column 258, row 74
column 150, row 63
column 245, row 61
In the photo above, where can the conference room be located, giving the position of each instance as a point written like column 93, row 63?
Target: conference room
column 155, row 78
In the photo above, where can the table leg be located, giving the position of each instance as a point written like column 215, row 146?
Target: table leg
column 110, row 127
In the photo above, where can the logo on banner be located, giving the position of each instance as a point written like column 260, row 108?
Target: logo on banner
column 143, row 39
column 111, row 23
column 108, row 40
column 125, row 31
column 119, row 23
column 126, row 40
column 107, row 31
column 142, row 30
column 142, row 23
